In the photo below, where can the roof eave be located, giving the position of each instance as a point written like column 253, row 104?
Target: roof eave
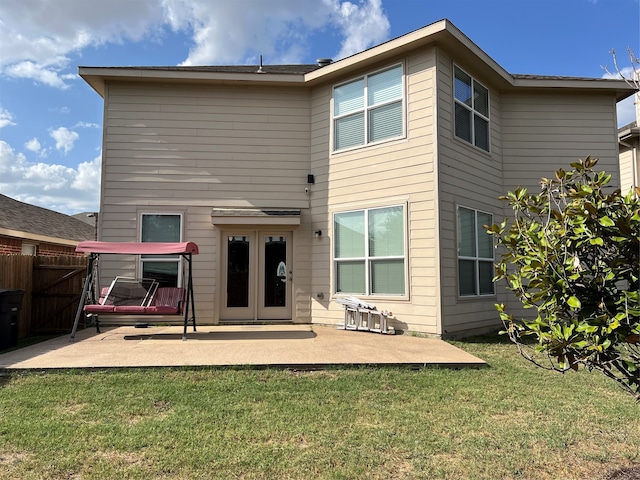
column 97, row 77
column 442, row 33
column 36, row 237
column 628, row 133
column 620, row 87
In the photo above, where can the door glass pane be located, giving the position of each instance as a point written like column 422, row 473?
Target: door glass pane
column 237, row 271
column 275, row 271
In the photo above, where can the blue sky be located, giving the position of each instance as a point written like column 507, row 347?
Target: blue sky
column 51, row 121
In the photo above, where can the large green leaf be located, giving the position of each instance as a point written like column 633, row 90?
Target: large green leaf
column 606, row 221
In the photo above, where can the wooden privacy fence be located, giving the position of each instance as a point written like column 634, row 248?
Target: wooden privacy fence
column 52, row 287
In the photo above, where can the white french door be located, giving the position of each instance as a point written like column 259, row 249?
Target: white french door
column 256, row 275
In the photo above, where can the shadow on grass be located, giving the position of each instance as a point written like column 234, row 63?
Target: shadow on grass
column 494, row 338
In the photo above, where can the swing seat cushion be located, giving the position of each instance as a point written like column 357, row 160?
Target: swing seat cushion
column 166, row 301
column 99, row 308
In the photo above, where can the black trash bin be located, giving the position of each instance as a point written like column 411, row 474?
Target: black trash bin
column 10, row 304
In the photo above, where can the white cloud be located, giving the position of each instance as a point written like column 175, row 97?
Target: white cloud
column 88, row 175
column 39, row 37
column 33, row 145
column 57, row 187
column 626, row 73
column 86, row 125
column 362, row 25
column 42, row 40
column 64, row 138
column 64, row 110
column 279, row 29
column 46, row 74
column 6, row 118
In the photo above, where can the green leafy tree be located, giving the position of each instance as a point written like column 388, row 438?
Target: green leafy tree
column 572, row 253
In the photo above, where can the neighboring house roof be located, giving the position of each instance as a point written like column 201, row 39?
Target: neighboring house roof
column 629, row 132
column 86, row 217
column 442, row 33
column 22, row 220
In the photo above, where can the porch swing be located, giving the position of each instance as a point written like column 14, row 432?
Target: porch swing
column 135, row 297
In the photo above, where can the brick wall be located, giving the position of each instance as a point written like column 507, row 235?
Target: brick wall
column 13, row 246
column 10, row 246
column 50, row 250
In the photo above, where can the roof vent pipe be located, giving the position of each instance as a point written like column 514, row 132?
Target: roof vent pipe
column 323, row 62
column 260, row 70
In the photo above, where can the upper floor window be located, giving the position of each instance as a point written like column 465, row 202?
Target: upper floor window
column 161, row 227
column 369, row 251
column 475, row 253
column 368, row 109
column 471, row 110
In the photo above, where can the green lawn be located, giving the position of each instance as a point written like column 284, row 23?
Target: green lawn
column 509, row 420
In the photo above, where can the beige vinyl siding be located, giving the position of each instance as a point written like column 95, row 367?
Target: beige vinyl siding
column 547, row 131
column 126, row 230
column 629, row 173
column 228, row 144
column 397, row 172
column 189, row 148
column 468, row 177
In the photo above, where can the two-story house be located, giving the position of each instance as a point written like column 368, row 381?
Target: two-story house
column 370, row 176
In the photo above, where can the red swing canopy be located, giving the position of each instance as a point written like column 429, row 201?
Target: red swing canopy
column 138, row 248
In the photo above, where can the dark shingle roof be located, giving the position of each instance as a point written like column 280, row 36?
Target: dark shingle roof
column 520, row 76
column 23, row 217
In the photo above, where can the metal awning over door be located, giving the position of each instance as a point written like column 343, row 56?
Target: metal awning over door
column 255, row 216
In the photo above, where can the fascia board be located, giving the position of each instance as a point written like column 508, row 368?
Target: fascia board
column 96, row 77
column 36, row 237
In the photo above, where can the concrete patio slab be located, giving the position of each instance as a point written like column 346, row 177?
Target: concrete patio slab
column 296, row 346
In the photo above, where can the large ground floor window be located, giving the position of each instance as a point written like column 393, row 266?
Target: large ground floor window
column 475, row 253
column 369, row 251
column 161, row 227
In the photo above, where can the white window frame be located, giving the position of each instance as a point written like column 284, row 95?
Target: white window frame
column 168, row 259
column 477, row 258
column 29, row 249
column 367, row 108
column 367, row 259
column 473, row 111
